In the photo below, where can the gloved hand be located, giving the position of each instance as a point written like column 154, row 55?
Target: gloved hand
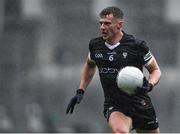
column 76, row 99
column 147, row 87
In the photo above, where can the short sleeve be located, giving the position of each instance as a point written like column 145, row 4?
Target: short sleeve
column 148, row 58
column 145, row 53
column 90, row 50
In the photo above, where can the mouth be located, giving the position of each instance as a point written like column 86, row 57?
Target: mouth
column 104, row 34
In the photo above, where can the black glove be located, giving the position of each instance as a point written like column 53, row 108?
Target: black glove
column 76, row 99
column 147, row 87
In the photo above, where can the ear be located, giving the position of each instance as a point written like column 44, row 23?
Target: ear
column 120, row 24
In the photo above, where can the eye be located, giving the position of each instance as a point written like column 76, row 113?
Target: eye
column 100, row 23
column 105, row 23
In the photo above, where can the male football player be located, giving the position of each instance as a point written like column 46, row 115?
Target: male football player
column 111, row 52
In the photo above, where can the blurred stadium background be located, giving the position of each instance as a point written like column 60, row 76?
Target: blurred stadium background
column 43, row 45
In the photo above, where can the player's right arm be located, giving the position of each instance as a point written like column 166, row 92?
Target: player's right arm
column 89, row 70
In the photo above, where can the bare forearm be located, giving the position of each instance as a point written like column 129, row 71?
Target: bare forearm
column 154, row 73
column 154, row 77
column 87, row 75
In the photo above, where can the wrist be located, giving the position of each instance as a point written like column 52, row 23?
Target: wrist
column 150, row 87
column 80, row 91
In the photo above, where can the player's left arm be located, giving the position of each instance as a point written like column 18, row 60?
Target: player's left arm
column 154, row 71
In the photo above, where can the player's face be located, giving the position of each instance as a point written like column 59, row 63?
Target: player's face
column 109, row 27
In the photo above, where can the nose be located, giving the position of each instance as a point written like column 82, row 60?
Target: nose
column 102, row 26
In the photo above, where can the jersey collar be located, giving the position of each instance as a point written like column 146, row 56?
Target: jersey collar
column 112, row 46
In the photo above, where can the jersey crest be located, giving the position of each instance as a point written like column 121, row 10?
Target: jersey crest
column 124, row 55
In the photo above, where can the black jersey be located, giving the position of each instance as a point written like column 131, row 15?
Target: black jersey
column 130, row 52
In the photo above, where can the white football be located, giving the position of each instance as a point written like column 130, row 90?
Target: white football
column 129, row 78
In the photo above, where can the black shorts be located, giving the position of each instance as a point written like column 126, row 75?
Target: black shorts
column 144, row 118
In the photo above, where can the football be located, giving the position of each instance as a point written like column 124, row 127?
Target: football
column 129, row 78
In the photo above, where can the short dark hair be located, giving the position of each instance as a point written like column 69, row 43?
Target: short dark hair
column 115, row 11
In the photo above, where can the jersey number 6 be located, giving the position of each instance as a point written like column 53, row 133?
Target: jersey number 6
column 111, row 58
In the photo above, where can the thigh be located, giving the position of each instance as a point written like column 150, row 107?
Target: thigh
column 119, row 122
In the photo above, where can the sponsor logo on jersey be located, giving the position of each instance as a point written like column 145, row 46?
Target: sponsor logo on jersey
column 107, row 70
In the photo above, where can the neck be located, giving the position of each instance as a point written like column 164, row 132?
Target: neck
column 116, row 39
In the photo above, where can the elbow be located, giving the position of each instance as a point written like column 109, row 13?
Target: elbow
column 159, row 74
